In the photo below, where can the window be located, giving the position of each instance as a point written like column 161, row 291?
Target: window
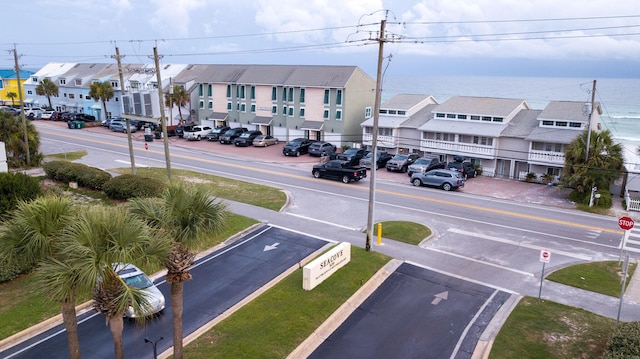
column 301, row 111
column 481, row 140
column 462, row 117
column 71, row 95
column 547, row 123
column 253, row 92
column 393, row 112
column 63, row 81
column 210, row 105
column 400, row 112
column 575, row 124
column 201, row 90
column 284, row 110
column 284, row 94
column 339, row 97
column 498, row 119
column 290, row 98
column 80, row 95
column 201, row 104
column 325, row 115
column 475, row 118
column 440, row 115
column 274, row 109
column 385, row 131
column 238, row 106
column 242, row 91
column 383, row 111
column 302, row 95
column 338, row 114
column 229, row 106
column 228, row 91
column 274, row 93
column 253, row 108
column 291, row 111
column 451, row 115
column 486, row 118
column 326, row 97
column 367, row 112
column 561, row 123
column 134, row 84
column 243, row 107
column 209, row 90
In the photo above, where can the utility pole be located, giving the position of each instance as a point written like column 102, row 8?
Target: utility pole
column 132, row 158
column 376, row 115
column 593, row 98
column 163, row 119
column 22, row 116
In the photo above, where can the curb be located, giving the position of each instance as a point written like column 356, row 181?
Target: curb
column 485, row 343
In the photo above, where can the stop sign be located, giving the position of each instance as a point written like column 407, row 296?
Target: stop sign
column 625, row 223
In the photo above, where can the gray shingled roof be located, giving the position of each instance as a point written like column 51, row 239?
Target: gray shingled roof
column 464, row 127
column 487, row 106
column 419, row 118
column 403, row 101
column 566, row 111
column 522, row 124
column 553, row 134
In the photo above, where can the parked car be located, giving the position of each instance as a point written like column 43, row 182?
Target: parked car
column 466, row 168
column 446, row 179
column 141, row 124
column 339, row 170
column 65, row 116
column 401, row 162
column 246, row 138
column 120, row 126
column 353, row 155
column 214, row 134
column 264, row 141
column 33, row 113
column 382, row 159
column 196, row 133
column 46, row 115
column 82, row 117
column 297, row 147
column 321, row 148
column 231, row 134
column 135, row 278
column 181, row 129
column 425, row 164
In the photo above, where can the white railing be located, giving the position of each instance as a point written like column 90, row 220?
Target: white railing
column 457, row 147
column 546, row 157
column 383, row 141
column 633, row 203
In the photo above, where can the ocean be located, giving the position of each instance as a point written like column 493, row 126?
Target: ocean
column 619, row 98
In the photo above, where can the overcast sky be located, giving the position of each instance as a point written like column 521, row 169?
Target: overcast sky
column 592, row 38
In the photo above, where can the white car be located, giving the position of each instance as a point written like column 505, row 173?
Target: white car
column 136, row 278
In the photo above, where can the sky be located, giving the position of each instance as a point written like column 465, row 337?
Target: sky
column 544, row 38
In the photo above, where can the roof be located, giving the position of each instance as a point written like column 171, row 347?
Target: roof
column 487, row 106
column 404, row 101
column 262, row 120
column 11, row 74
column 522, row 124
column 546, row 134
column 219, row 116
column 394, row 121
column 567, row 111
column 312, row 125
column 464, row 127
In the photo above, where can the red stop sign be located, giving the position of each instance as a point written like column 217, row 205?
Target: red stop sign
column 625, row 223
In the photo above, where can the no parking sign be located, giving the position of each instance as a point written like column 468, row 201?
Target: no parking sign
column 545, row 256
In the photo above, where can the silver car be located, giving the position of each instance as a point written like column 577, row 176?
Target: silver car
column 136, row 278
column 446, row 179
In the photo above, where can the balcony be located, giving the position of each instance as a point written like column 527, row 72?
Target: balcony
column 383, row 141
column 546, row 157
column 467, row 149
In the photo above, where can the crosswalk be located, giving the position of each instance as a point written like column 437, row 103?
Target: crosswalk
column 631, row 240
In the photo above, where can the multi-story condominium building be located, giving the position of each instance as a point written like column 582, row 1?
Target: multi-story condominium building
column 9, row 86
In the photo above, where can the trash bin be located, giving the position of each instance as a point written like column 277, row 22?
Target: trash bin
column 79, row 124
column 71, row 125
column 158, row 135
column 148, row 138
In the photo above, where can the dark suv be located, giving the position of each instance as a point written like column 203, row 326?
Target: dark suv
column 321, row 149
column 466, row 168
column 425, row 164
column 231, row 134
column 401, row 162
column 246, row 138
column 296, row 147
column 215, row 134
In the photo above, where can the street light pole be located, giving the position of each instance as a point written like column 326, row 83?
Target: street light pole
column 376, row 115
column 154, row 344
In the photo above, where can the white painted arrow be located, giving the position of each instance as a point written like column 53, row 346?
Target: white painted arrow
column 271, row 247
column 439, row 297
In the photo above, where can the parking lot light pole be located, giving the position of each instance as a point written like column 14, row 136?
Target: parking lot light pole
column 154, row 344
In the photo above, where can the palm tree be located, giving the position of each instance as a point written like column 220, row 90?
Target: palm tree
column 32, row 234
column 12, row 95
column 101, row 91
column 12, row 134
column 601, row 168
column 188, row 214
column 102, row 237
column 47, row 88
column 179, row 97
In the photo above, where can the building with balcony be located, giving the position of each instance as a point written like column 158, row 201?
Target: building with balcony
column 9, row 86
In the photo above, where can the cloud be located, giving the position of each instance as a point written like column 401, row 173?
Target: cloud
column 172, row 17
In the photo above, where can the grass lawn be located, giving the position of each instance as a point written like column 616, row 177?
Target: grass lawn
column 33, row 306
column 600, row 277
column 403, row 231
column 275, row 323
column 67, row 156
column 548, row 330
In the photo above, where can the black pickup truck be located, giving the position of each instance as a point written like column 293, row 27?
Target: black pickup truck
column 339, row 170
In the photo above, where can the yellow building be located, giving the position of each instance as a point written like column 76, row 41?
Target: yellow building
column 9, row 86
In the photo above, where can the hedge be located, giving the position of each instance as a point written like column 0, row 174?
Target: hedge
column 130, row 186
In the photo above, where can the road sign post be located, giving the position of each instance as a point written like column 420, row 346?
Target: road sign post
column 545, row 257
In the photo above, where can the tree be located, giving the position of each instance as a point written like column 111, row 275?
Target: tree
column 32, row 234
column 12, row 134
column 188, row 214
column 179, row 97
column 602, row 167
column 99, row 240
column 47, row 88
column 12, row 95
column 103, row 92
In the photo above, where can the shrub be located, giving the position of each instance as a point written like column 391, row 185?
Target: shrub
column 86, row 176
column 15, row 187
column 129, row 186
column 13, row 270
column 624, row 341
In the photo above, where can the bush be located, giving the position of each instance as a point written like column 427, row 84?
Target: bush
column 16, row 187
column 13, row 270
column 130, row 186
column 624, row 341
column 583, row 197
column 86, row 176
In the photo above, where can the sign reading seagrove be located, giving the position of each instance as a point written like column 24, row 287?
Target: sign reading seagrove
column 322, row 267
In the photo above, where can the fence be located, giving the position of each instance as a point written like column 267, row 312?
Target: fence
column 633, row 203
